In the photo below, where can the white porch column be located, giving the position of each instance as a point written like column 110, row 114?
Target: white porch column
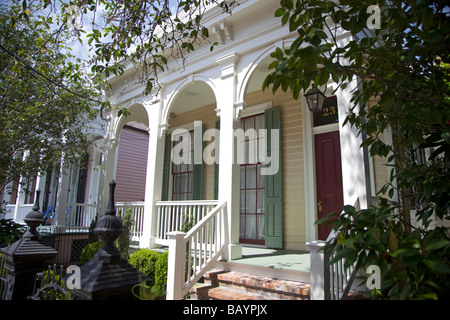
column 154, row 178
column 63, row 193
column 228, row 167
column 108, row 173
column 352, row 155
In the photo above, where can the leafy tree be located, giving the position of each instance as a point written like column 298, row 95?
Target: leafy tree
column 46, row 98
column 123, row 33
column 402, row 71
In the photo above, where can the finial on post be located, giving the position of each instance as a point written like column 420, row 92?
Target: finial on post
column 111, row 209
column 34, row 218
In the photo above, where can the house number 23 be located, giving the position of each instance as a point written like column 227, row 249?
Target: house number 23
column 329, row 111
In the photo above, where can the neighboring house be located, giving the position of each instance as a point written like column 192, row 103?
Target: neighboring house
column 68, row 194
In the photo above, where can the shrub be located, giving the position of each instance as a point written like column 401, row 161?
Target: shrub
column 154, row 265
column 161, row 271
column 144, row 260
column 10, row 232
column 123, row 242
column 89, row 251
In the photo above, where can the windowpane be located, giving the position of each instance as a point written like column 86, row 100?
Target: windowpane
column 260, row 201
column 260, row 182
column 251, row 176
column 250, row 198
column 242, row 177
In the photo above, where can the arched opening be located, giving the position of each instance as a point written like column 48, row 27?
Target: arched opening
column 132, row 153
column 190, row 114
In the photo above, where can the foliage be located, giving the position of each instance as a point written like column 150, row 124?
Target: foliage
column 10, row 232
column 402, row 74
column 89, row 251
column 154, row 265
column 146, row 291
column 92, row 235
column 45, row 96
column 144, row 260
column 123, row 242
column 161, row 271
column 126, row 32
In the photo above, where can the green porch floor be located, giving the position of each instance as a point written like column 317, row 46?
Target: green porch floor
column 277, row 259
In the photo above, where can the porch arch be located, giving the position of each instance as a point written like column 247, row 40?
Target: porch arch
column 259, row 58
column 168, row 106
column 138, row 113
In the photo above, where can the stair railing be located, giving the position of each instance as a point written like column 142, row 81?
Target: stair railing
column 329, row 281
column 193, row 253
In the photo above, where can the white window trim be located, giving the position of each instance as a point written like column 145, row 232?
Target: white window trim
column 258, row 108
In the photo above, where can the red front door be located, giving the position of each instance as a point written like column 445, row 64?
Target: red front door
column 328, row 178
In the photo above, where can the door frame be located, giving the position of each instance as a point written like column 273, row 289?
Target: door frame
column 309, row 132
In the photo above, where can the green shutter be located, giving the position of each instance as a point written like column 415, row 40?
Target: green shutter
column 216, row 164
column 273, row 187
column 166, row 167
column 197, row 172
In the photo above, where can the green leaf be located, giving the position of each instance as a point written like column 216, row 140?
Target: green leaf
column 436, row 244
column 279, row 12
column 438, row 266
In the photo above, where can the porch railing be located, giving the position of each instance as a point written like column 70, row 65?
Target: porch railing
column 179, row 215
column 329, row 281
column 80, row 215
column 137, row 216
column 191, row 254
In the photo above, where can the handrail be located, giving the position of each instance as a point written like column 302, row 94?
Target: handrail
column 191, row 254
column 341, row 279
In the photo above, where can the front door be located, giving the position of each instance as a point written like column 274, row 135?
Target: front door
column 328, row 178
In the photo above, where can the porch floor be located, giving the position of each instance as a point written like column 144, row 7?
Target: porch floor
column 290, row 260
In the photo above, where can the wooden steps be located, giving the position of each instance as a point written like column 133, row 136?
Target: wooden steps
column 226, row 285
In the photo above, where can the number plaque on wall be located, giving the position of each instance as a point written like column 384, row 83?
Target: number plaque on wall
column 329, row 113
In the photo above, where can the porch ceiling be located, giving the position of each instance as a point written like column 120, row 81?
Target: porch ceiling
column 199, row 94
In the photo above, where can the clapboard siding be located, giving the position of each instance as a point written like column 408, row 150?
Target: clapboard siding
column 131, row 165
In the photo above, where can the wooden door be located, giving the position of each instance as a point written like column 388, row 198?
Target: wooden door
column 328, row 178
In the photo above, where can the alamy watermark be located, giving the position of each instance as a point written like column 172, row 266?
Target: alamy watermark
column 251, row 147
column 374, row 20
column 374, row 279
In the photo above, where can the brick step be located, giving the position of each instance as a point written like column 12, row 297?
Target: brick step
column 225, row 285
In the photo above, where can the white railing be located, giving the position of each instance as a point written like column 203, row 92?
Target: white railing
column 329, row 281
column 137, row 216
column 175, row 215
column 192, row 254
column 80, row 215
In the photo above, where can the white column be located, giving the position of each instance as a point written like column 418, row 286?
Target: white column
column 63, row 193
column 352, row 155
column 228, row 167
column 154, row 178
column 108, row 172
